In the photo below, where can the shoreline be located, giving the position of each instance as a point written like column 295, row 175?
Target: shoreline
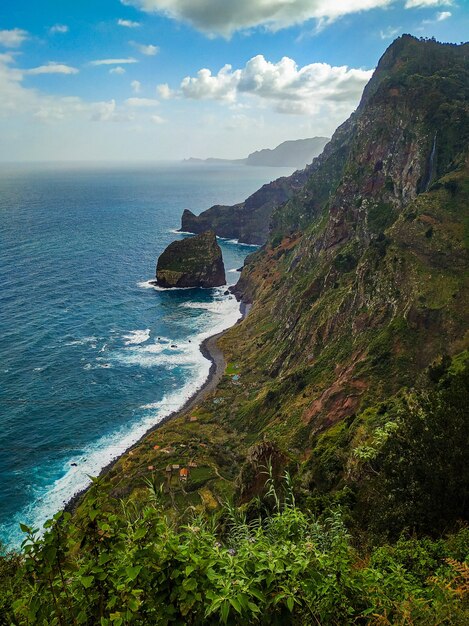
column 212, row 353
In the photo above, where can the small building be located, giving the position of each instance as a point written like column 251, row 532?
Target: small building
column 183, row 474
column 169, row 469
column 192, row 464
column 193, row 418
column 176, row 466
column 151, row 468
column 156, row 447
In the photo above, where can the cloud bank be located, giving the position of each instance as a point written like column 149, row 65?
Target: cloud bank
column 223, row 17
column 284, row 85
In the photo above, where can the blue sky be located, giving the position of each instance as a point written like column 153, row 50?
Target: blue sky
column 168, row 79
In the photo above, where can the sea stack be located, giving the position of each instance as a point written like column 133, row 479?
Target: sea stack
column 192, row 262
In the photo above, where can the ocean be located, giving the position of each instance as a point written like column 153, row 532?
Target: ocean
column 87, row 363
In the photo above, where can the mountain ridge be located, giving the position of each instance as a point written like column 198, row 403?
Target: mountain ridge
column 295, row 153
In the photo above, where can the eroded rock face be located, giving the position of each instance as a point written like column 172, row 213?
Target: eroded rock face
column 192, row 262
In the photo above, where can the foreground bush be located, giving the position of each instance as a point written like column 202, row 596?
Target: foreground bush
column 288, row 568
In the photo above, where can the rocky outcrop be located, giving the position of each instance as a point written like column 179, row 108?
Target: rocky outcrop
column 192, row 262
column 248, row 221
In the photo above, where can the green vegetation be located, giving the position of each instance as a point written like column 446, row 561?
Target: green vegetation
column 280, row 566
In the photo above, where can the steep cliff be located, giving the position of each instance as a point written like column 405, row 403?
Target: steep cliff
column 364, row 278
column 192, row 262
column 249, row 220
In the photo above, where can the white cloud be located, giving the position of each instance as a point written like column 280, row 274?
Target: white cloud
column 226, row 17
column 205, row 86
column 422, row 4
column 285, row 86
column 156, row 119
column 103, row 111
column 141, row 102
column 389, row 33
column 51, row 68
column 58, row 28
column 113, row 61
column 128, row 23
column 117, row 70
column 441, row 16
column 136, row 86
column 12, row 38
column 164, row 91
column 148, row 50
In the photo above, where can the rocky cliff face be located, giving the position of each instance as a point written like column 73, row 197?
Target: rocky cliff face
column 192, row 262
column 248, row 221
column 363, row 281
column 347, row 253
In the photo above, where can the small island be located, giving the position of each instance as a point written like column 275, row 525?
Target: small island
column 192, row 262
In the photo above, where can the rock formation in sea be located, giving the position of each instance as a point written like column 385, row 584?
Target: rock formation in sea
column 192, row 262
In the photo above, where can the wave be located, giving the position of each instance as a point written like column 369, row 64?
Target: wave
column 174, row 231
column 93, row 458
column 136, row 337
column 150, row 284
column 238, row 242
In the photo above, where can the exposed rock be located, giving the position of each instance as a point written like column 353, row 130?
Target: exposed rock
column 248, row 221
column 192, row 262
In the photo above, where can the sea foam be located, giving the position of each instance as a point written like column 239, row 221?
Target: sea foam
column 136, row 337
column 224, row 312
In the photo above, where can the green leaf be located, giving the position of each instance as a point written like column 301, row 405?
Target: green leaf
column 254, row 608
column 225, row 611
column 133, row 572
column 25, row 528
column 189, row 584
column 235, row 604
column 87, row 581
column 140, row 533
column 290, row 603
column 93, row 514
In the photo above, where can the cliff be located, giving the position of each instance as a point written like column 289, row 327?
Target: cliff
column 248, row 221
column 192, row 262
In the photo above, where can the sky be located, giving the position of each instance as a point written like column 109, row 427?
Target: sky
column 152, row 80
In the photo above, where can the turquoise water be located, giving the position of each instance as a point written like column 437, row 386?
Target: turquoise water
column 86, row 363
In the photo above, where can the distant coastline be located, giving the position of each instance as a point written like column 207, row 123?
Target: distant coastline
column 296, row 153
